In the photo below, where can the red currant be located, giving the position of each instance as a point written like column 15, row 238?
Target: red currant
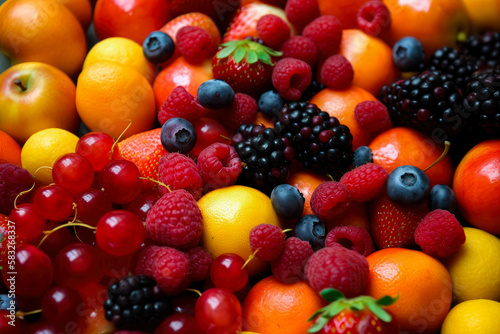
column 73, row 172
column 6, row 328
column 183, row 304
column 120, row 180
column 28, row 223
column 53, row 202
column 96, row 147
column 226, row 272
column 218, row 311
column 57, row 240
column 91, row 205
column 208, row 131
column 59, row 304
column 142, row 203
column 179, row 324
column 43, row 328
column 120, row 232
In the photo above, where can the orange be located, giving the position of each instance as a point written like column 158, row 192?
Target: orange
column 10, row 151
column 370, row 58
column 264, row 120
column 483, row 14
column 422, row 282
column 341, row 104
column 403, row 146
column 82, row 9
column 272, row 307
column 306, row 182
column 110, row 96
column 357, row 214
column 345, row 10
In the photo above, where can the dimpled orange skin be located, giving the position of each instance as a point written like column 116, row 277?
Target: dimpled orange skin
column 477, row 186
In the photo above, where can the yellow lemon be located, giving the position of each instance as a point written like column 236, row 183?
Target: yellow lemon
column 481, row 316
column 124, row 51
column 43, row 148
column 229, row 214
column 475, row 267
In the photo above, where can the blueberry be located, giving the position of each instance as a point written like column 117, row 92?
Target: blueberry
column 270, row 103
column 442, row 197
column 158, row 47
column 178, row 135
column 309, row 228
column 407, row 54
column 215, row 94
column 362, row 155
column 407, row 185
column 287, row 201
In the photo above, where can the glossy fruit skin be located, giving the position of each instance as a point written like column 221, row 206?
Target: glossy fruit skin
column 362, row 155
column 73, row 172
column 287, row 201
column 7, row 328
column 179, row 324
column 96, row 147
column 353, row 321
column 178, row 135
column 120, row 180
column 91, row 205
column 53, row 202
column 28, row 222
column 270, row 103
column 226, row 272
column 442, row 197
column 120, row 232
column 60, row 304
column 408, row 185
column 208, row 131
column 215, row 94
column 407, row 54
column 158, row 47
column 218, row 311
column 309, row 228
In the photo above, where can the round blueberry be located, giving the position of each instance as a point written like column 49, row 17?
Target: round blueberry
column 309, row 228
column 362, row 155
column 215, row 94
column 407, row 185
column 407, row 54
column 287, row 201
column 270, row 103
column 158, row 47
column 178, row 135
column 442, row 197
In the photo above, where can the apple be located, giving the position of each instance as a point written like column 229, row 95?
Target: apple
column 36, row 96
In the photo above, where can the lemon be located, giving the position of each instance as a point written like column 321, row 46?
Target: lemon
column 475, row 267
column 124, row 51
column 43, row 148
column 479, row 316
column 229, row 214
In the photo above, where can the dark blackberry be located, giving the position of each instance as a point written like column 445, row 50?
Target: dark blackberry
column 314, row 88
column 136, row 302
column 319, row 141
column 265, row 155
column 485, row 48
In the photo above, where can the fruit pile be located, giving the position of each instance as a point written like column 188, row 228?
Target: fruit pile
column 231, row 167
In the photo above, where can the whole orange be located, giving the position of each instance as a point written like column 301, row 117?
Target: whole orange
column 306, row 182
column 82, row 9
column 422, row 283
column 10, row 151
column 272, row 307
column 483, row 14
column 345, row 10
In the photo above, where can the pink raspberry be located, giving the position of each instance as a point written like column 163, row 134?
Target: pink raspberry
column 195, row 44
column 13, row 180
column 146, row 260
column 171, row 270
column 336, row 72
column 301, row 12
column 200, row 261
column 339, row 268
column 365, row 182
column 326, row 33
column 178, row 171
column 243, row 110
column 374, row 18
column 439, row 234
column 300, row 47
column 175, row 220
column 291, row 77
column 351, row 237
column 269, row 239
column 181, row 104
column 372, row 116
column 219, row 165
column 329, row 200
column 273, row 30
column 290, row 266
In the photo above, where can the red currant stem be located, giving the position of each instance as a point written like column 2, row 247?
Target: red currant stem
column 156, row 181
column 21, row 314
column 330, row 177
column 48, row 233
column 287, row 230
column 250, row 258
column 224, row 137
column 76, row 234
column 243, row 164
column 41, row 167
column 119, row 137
column 194, row 290
column 22, row 193
column 445, row 151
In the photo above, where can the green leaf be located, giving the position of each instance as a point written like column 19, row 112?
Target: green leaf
column 239, row 54
column 231, row 43
column 226, row 51
column 358, row 305
column 318, row 312
column 252, row 57
column 331, row 295
column 334, row 309
column 272, row 52
column 378, row 311
column 318, row 325
column 387, row 300
column 264, row 57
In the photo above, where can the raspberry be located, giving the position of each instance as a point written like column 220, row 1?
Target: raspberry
column 372, row 116
column 300, row 47
column 290, row 266
column 301, row 12
column 351, row 237
column 374, row 18
column 180, row 104
column 243, row 110
column 270, row 241
column 13, row 180
column 329, row 200
column 200, row 261
column 219, row 165
column 273, row 30
column 146, row 260
column 175, row 220
column 287, row 69
column 365, row 182
column 336, row 72
column 171, row 270
column 339, row 268
column 195, row 44
column 439, row 234
column 326, row 33
column 180, row 172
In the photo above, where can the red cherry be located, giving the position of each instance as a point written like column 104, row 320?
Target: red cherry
column 120, row 181
column 6, row 328
column 226, row 272
column 91, row 205
column 120, row 232
column 60, row 304
column 53, row 202
column 96, row 147
column 208, row 131
column 73, row 172
column 142, row 203
column 218, row 311
column 28, row 223
column 179, row 324
column 57, row 240
column 43, row 328
column 183, row 304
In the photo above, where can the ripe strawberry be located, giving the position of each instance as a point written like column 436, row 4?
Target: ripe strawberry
column 363, row 314
column 245, row 65
column 393, row 225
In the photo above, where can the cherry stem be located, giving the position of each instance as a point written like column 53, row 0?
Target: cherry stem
column 41, row 167
column 331, row 177
column 224, row 137
column 21, row 314
column 250, row 258
column 22, row 193
column 445, row 151
column 19, row 84
column 194, row 290
column 156, row 181
column 119, row 137
column 48, row 233
column 287, row 230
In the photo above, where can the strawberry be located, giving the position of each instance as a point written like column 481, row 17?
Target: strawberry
column 393, row 225
column 245, row 65
column 359, row 315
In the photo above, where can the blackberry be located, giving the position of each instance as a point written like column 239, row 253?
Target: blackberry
column 314, row 88
column 485, row 48
column 136, row 302
column 319, row 141
column 265, row 155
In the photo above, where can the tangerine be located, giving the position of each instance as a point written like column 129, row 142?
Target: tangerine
column 10, row 151
column 306, row 182
column 82, row 9
column 345, row 11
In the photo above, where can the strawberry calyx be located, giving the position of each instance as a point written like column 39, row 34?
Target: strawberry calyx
column 338, row 303
column 249, row 50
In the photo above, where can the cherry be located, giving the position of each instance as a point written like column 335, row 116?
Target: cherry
column 53, row 202
column 73, row 172
column 96, row 147
column 218, row 311
column 179, row 324
column 43, row 328
column 143, row 203
column 91, row 205
column 208, row 131
column 120, row 232
column 60, row 304
column 57, row 240
column 6, row 328
column 120, row 180
column 28, row 223
column 184, row 304
column 226, row 272
column 117, row 267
